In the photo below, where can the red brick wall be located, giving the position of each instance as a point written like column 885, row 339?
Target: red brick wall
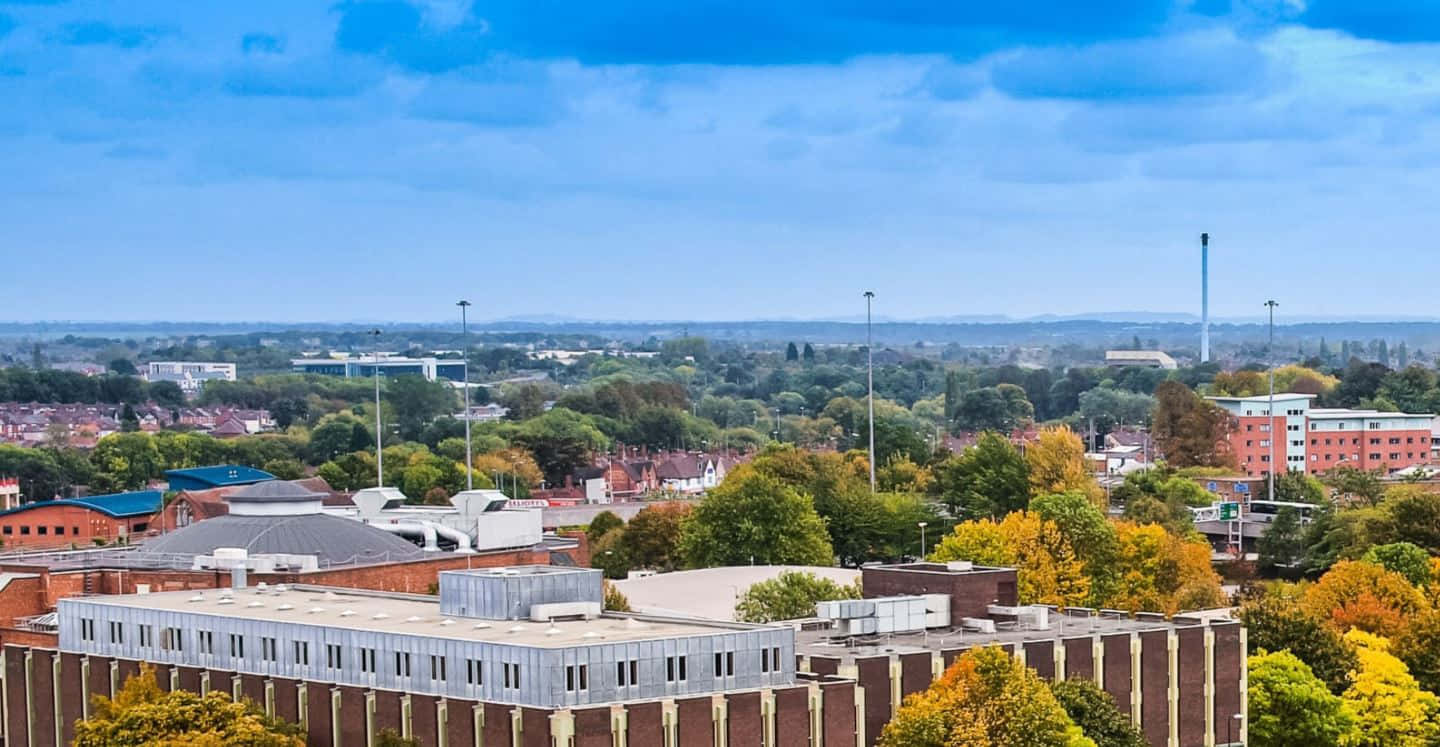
column 1245, row 442
column 592, row 727
column 76, row 525
column 645, row 726
column 414, row 577
column 792, row 716
column 970, row 593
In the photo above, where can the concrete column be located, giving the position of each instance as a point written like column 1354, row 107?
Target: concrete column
column 1136, row 694
column 477, row 717
column 860, row 740
column 407, row 726
column 669, row 714
column 937, row 665
column 720, row 720
column 517, row 727
column 1097, row 653
column 562, row 727
column 1059, row 649
column 442, row 723
column 895, row 690
column 767, row 718
column 1172, row 649
column 370, row 718
column 619, row 726
column 174, row 678
column 1209, row 687
column 237, row 691
column 269, row 697
column 302, row 705
column 205, row 682
column 817, row 714
column 114, row 677
column 84, row 677
column 1020, row 653
column 55, row 680
column 1244, row 687
column 334, row 717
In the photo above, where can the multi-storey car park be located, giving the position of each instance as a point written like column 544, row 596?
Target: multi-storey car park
column 525, row 656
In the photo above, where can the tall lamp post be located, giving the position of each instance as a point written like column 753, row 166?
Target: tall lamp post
column 870, row 385
column 922, row 526
column 465, row 354
column 379, row 447
column 1270, row 360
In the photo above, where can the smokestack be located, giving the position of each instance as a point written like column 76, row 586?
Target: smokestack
column 1204, row 298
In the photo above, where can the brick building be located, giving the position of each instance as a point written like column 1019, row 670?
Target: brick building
column 1314, row 439
column 1181, row 680
column 79, row 521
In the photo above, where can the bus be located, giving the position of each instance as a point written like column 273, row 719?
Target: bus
column 1265, row 511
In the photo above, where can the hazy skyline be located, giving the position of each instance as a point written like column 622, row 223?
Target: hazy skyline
column 716, row 160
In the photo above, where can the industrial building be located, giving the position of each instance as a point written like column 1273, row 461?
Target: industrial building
column 524, row 656
column 388, row 365
column 1318, row 439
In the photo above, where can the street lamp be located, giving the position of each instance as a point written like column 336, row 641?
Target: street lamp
column 1270, row 359
column 465, row 353
column 379, row 434
column 870, row 384
column 922, row 526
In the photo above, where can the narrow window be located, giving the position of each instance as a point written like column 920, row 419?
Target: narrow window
column 87, row 630
column 584, row 677
column 634, row 672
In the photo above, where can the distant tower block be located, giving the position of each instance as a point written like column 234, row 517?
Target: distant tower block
column 1204, row 298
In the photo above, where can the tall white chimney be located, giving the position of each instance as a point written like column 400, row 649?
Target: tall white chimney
column 1204, row 298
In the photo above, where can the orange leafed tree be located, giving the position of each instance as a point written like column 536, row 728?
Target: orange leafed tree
column 1355, row 594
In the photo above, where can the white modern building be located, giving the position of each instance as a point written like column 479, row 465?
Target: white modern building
column 363, row 367
column 189, row 375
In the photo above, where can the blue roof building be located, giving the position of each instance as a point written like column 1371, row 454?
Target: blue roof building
column 218, row 476
column 114, row 505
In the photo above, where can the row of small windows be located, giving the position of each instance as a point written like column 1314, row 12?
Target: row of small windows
column 173, row 639
column 40, row 530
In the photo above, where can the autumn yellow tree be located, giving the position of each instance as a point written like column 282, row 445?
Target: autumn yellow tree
column 1057, row 465
column 1159, row 571
column 512, row 461
column 143, row 714
column 1356, row 594
column 1389, row 707
column 1047, row 568
column 985, row 699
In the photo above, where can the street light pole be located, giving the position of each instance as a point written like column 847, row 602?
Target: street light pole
column 1270, row 359
column 379, row 447
column 922, row 526
column 870, row 384
column 465, row 353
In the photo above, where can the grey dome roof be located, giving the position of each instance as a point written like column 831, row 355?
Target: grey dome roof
column 337, row 541
column 273, row 491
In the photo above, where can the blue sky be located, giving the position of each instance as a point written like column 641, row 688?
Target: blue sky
column 715, row 159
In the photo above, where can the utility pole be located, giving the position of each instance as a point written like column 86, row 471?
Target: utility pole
column 1270, row 359
column 465, row 354
column 379, row 446
column 870, row 384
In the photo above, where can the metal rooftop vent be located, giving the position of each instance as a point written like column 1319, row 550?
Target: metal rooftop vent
column 315, row 610
column 198, row 598
column 347, row 613
column 447, row 622
column 481, row 626
column 379, row 616
column 281, row 588
column 286, row 607
column 414, row 619
column 517, row 629
column 255, row 603
column 225, row 600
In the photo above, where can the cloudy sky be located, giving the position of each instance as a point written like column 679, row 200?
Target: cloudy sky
column 715, row 159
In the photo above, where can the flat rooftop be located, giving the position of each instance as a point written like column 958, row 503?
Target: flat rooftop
column 409, row 614
column 820, row 642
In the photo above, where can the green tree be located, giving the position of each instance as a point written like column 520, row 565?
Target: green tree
column 1291, row 707
column 1418, row 645
column 985, row 698
column 126, row 461
column 792, row 353
column 1355, row 485
column 989, row 479
column 285, row 469
column 392, row 738
column 1095, row 712
column 1404, row 558
column 754, row 518
column 1090, row 533
column 1001, row 407
column 652, row 538
column 168, row 394
column 603, row 523
column 418, row 402
column 143, row 714
column 333, row 438
column 808, row 354
column 788, row 596
column 123, row 367
column 614, row 600
column 1283, row 544
column 562, row 441
column 1275, row 622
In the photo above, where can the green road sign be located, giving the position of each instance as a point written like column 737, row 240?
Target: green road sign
column 1229, row 511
